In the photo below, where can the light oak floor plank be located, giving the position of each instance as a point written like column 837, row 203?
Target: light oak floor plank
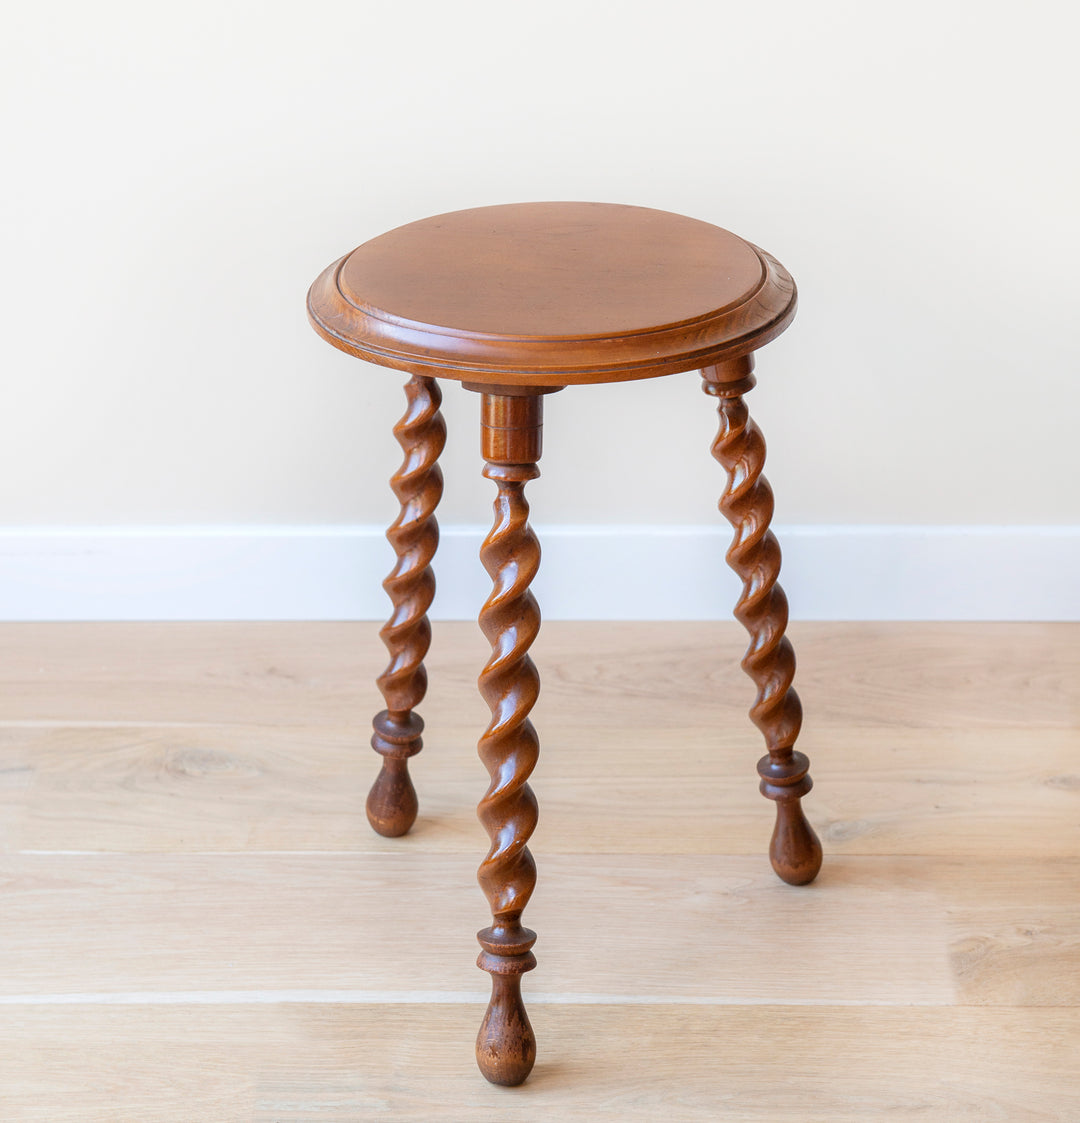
column 923, row 676
column 292, row 1064
column 196, row 923
column 213, row 787
column 704, row 927
column 122, row 923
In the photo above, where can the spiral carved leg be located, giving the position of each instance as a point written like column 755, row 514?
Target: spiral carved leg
column 414, row 534
column 747, row 503
column 509, row 683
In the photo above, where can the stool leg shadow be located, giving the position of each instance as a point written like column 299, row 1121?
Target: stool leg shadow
column 414, row 534
column 747, row 503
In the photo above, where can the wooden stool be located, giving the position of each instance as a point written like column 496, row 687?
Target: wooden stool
column 516, row 302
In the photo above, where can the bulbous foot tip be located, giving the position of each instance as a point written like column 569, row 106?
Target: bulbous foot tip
column 795, row 851
column 505, row 1056
column 506, row 1045
column 392, row 804
column 508, row 1073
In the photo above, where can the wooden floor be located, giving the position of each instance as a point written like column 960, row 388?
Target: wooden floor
column 197, row 924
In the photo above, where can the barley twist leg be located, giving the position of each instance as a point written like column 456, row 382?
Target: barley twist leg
column 747, row 503
column 414, row 534
column 509, row 683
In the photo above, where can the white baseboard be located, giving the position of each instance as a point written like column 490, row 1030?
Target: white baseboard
column 588, row 573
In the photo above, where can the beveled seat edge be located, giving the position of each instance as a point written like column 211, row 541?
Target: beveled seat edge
column 492, row 359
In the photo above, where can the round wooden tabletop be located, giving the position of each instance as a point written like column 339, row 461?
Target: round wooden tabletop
column 551, row 294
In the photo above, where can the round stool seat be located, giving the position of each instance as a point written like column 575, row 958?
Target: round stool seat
column 552, row 294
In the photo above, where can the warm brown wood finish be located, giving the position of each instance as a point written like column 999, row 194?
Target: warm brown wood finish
column 514, row 302
column 763, row 610
column 511, row 430
column 552, row 294
column 392, row 804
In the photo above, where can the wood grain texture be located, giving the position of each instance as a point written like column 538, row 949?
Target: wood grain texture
column 229, row 787
column 342, row 1063
column 895, row 676
column 239, row 907
column 120, row 923
column 552, row 294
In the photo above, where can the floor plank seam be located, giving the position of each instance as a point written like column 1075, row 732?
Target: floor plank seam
column 424, row 997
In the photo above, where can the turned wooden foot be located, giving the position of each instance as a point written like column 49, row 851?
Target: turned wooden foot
column 505, row 1045
column 794, row 851
column 510, row 619
column 747, row 503
column 414, row 534
column 392, row 803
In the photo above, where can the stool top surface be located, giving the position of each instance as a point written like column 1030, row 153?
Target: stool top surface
column 549, row 294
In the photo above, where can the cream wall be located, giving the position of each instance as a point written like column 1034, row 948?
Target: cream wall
column 175, row 176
